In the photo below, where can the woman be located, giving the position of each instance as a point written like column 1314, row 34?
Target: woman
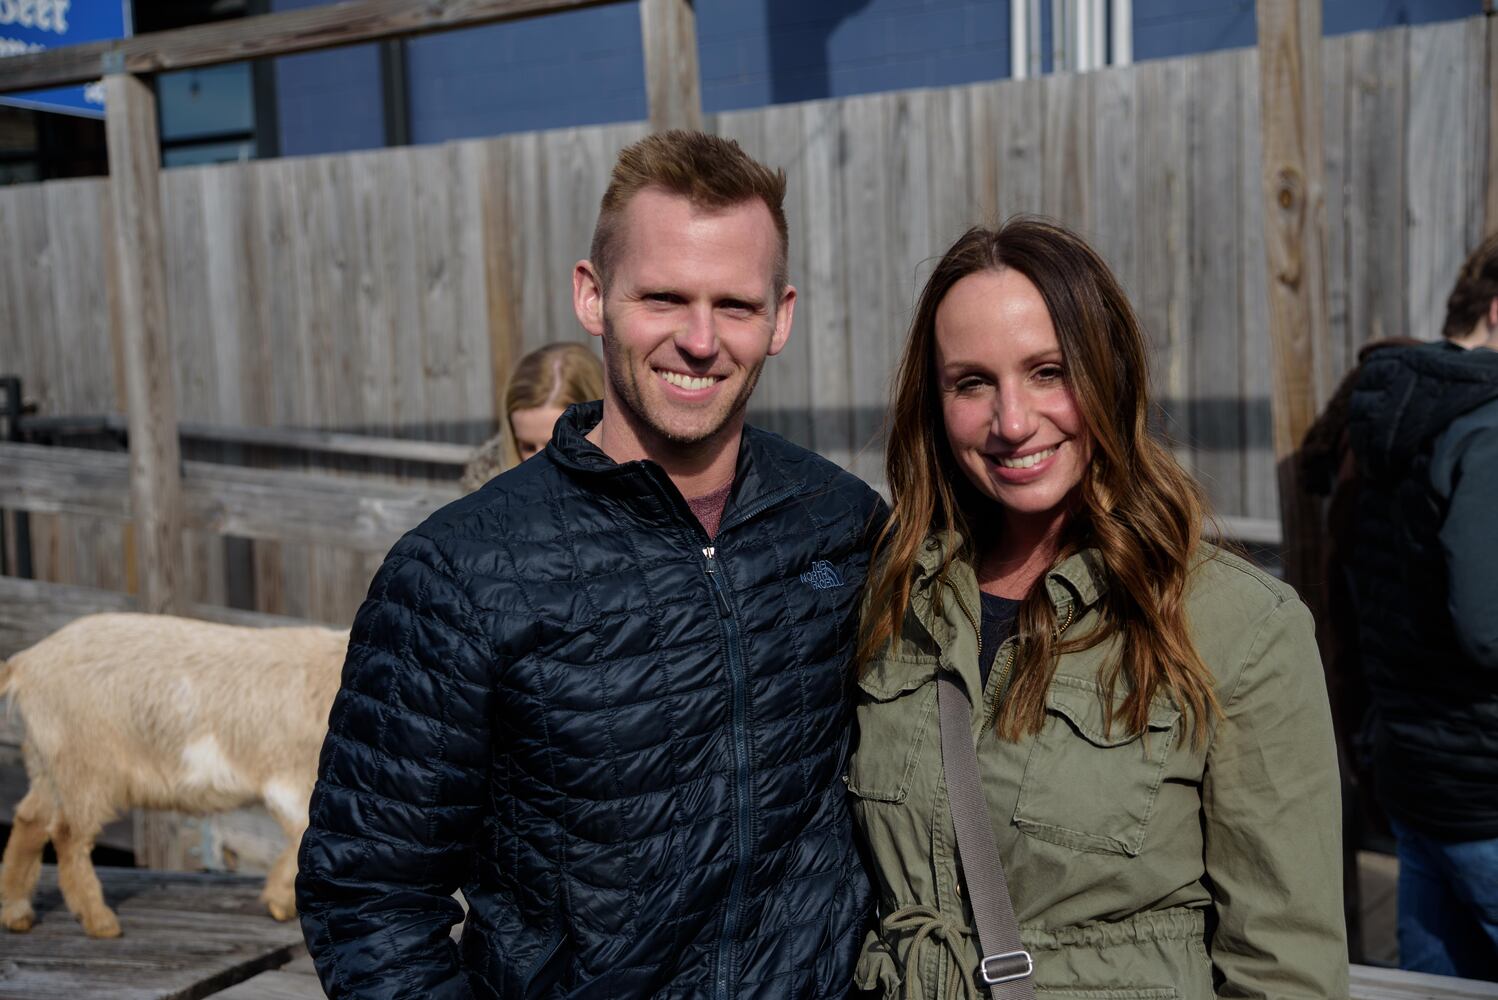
column 544, row 383
column 1151, row 723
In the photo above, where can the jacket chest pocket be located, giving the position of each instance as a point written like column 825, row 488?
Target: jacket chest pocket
column 896, row 713
column 1086, row 790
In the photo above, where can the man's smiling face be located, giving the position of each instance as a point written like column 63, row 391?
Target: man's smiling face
column 689, row 315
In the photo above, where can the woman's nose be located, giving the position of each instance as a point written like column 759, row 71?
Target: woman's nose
column 1013, row 419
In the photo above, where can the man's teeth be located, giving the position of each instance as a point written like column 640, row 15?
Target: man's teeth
column 688, row 381
column 1028, row 460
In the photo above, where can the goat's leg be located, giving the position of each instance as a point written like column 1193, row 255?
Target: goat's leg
column 78, row 880
column 22, row 863
column 279, row 894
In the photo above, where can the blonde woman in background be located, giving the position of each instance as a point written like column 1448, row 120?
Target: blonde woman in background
column 544, row 383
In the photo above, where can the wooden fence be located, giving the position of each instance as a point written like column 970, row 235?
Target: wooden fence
column 387, row 292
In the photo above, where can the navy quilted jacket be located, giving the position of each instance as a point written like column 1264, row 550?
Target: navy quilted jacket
column 621, row 740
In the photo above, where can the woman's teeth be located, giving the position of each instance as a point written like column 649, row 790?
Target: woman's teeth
column 688, row 381
column 1024, row 463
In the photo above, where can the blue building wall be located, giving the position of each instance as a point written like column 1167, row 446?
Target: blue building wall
column 581, row 67
column 328, row 102
column 586, row 67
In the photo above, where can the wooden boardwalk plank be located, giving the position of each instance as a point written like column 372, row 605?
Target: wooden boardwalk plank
column 185, row 937
column 1369, row 983
column 276, row 985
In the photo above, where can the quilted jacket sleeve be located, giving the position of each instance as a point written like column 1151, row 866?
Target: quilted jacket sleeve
column 401, row 783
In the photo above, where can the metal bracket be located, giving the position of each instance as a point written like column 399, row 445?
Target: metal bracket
column 113, row 62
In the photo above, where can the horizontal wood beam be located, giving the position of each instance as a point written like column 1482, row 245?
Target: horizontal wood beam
column 287, row 438
column 31, row 610
column 361, row 514
column 304, row 30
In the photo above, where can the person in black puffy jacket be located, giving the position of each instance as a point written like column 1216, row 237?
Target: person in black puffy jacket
column 605, row 695
column 1424, row 429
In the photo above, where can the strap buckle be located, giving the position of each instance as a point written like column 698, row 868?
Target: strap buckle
column 1006, row 967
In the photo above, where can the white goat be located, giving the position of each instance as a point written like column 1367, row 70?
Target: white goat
column 149, row 711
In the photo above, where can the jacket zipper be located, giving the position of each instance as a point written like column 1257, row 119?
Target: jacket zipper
column 728, row 626
column 1008, row 646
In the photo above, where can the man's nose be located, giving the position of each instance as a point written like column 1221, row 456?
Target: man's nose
column 699, row 337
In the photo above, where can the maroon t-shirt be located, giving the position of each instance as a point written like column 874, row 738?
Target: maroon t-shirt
column 708, row 508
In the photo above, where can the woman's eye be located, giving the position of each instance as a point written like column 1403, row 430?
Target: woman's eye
column 1050, row 373
column 969, row 384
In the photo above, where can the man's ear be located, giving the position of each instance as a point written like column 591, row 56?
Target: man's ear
column 785, row 311
column 587, row 297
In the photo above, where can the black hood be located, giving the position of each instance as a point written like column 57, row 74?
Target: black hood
column 1406, row 396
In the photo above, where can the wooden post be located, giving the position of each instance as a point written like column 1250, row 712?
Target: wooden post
column 1295, row 241
column 1293, row 168
column 150, row 395
column 1491, row 218
column 668, row 31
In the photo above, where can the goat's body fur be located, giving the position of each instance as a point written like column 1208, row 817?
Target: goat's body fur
column 130, row 711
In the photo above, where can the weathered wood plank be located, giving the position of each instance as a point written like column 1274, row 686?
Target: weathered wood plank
column 1377, row 227
column 668, row 33
column 185, row 937
column 1490, row 184
column 1162, row 211
column 1438, row 205
column 365, row 515
column 1216, row 309
column 320, row 27
column 1370, row 983
column 822, row 312
column 275, row 985
column 150, row 396
column 1291, row 97
column 31, row 610
column 1256, row 363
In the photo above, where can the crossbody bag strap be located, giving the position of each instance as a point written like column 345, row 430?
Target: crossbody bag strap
column 1006, row 968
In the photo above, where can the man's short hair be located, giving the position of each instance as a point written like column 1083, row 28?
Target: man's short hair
column 1476, row 286
column 713, row 172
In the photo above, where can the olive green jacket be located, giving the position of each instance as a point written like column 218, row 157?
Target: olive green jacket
column 1141, row 869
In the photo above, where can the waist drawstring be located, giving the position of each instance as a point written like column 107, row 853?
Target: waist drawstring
column 928, row 925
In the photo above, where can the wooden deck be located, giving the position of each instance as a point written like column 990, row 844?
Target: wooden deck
column 206, row 935
column 185, row 937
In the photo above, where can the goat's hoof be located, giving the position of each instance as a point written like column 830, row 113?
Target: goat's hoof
column 101, row 925
column 18, row 918
column 280, row 910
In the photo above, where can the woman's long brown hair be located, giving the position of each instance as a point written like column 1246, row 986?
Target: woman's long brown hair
column 1138, row 508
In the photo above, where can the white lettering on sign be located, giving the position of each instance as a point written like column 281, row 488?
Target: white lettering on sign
column 93, row 93
column 16, row 47
column 43, row 15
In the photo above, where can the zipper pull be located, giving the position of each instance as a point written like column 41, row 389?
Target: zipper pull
column 709, row 555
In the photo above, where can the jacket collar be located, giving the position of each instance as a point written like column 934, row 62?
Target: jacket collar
column 1079, row 579
column 763, row 474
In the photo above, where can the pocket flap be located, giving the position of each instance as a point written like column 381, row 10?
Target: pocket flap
column 888, row 678
column 1081, row 704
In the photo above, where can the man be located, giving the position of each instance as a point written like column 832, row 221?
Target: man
column 605, row 695
column 1424, row 426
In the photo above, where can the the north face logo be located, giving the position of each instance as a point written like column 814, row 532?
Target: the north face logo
column 822, row 576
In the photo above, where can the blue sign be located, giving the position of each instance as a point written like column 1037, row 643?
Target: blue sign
column 37, row 25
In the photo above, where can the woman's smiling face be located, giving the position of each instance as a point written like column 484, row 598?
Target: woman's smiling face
column 1010, row 417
